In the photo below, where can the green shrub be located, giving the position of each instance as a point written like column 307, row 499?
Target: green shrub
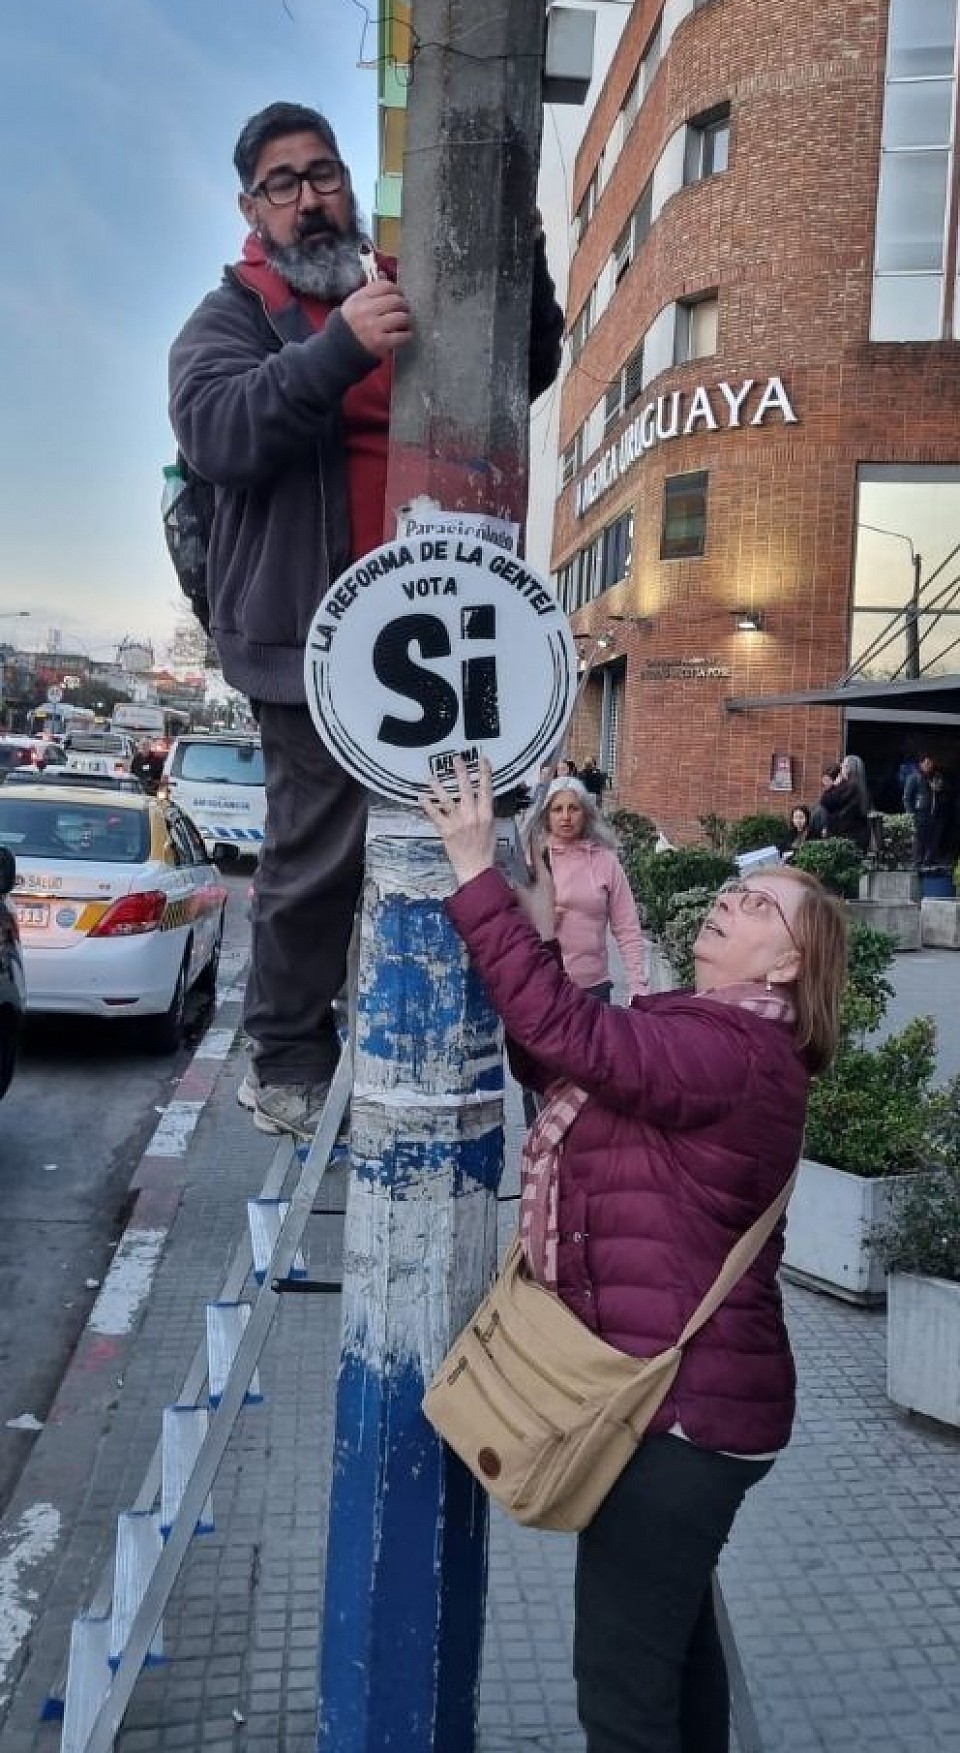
column 836, row 862
column 896, row 844
column 750, row 833
column 925, row 1236
column 716, row 830
column 656, row 877
column 686, row 912
column 869, row 1114
column 867, row 991
column 635, row 833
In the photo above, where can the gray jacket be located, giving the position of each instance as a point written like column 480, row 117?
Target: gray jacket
column 257, row 412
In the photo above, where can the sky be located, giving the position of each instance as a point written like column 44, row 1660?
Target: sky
column 118, row 120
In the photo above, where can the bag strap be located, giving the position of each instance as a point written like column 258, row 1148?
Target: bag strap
column 740, row 1258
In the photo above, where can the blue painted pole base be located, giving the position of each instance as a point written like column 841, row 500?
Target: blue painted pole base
column 406, row 1560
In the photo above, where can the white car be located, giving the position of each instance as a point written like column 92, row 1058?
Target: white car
column 218, row 779
column 120, row 911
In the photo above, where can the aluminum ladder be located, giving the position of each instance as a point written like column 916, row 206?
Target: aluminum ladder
column 120, row 1632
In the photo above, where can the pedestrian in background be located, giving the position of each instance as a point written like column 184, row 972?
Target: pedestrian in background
column 692, row 1125
column 280, row 389
column 925, row 801
column 595, row 780
column 846, row 804
column 818, row 815
column 594, row 897
column 800, row 825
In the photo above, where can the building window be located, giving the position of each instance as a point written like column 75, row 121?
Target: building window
column 588, row 205
column 616, row 548
column 906, row 590
column 633, row 234
column 583, row 325
column 631, row 104
column 569, row 463
column 707, row 145
column 613, row 404
column 684, row 516
column 650, row 59
column 916, row 197
column 696, row 329
column 633, row 377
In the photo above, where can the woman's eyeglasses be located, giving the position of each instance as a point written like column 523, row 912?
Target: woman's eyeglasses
column 752, row 899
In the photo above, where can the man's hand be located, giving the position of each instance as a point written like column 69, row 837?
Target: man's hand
column 379, row 316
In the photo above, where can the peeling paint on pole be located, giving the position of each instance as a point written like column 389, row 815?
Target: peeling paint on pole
column 406, row 1553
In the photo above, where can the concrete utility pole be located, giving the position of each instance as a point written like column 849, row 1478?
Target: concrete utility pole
column 461, row 409
column 406, row 1555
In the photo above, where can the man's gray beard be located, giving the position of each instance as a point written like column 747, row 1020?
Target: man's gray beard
column 331, row 271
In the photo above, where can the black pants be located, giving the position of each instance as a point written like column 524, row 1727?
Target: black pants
column 927, row 838
column 649, row 1666
column 305, row 897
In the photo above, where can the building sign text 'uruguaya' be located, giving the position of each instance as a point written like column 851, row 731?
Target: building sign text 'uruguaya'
column 679, row 415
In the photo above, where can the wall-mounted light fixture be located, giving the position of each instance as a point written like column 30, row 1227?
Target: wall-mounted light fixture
column 748, row 620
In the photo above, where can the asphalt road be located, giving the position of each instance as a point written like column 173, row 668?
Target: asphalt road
column 82, row 1107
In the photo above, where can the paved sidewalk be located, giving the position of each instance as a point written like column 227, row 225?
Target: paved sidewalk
column 843, row 1580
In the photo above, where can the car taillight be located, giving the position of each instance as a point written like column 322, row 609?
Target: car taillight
column 132, row 916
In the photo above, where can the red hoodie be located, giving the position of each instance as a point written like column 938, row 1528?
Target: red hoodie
column 365, row 407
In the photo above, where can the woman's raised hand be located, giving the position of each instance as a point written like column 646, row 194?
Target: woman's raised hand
column 463, row 818
column 539, row 900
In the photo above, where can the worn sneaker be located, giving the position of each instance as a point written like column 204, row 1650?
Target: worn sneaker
column 248, row 1089
column 290, row 1107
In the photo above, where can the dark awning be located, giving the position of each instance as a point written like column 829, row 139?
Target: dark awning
column 932, row 700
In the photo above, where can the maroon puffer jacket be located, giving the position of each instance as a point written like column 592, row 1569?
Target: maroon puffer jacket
column 694, row 1126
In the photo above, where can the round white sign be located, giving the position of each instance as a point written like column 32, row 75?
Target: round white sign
column 434, row 647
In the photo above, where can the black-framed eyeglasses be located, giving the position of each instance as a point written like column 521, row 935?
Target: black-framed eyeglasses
column 283, row 186
column 752, row 899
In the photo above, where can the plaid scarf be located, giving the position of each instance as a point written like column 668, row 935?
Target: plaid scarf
column 540, row 1156
column 540, row 1180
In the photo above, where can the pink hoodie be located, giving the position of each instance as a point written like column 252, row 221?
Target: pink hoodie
column 593, row 895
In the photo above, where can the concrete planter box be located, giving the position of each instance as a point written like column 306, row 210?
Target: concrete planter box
column 923, row 1346
column 900, row 918
column 939, row 924
column 831, row 1222
column 890, row 885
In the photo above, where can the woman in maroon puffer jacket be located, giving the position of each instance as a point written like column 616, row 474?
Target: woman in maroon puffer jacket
column 692, row 1126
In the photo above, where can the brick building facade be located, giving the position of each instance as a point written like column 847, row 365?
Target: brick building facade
column 760, row 424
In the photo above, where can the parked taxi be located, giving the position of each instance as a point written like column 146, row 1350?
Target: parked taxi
column 12, row 989
column 120, row 911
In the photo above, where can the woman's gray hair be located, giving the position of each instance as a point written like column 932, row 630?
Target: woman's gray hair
column 852, row 768
column 595, row 826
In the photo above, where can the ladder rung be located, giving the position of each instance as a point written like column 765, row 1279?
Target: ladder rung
column 88, row 1680
column 265, row 1217
column 138, row 1548
column 225, row 1328
column 184, row 1428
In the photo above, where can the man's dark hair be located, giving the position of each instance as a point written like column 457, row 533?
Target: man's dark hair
column 273, row 123
column 831, row 770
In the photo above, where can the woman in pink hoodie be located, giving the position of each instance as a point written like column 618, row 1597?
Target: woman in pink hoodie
column 593, row 895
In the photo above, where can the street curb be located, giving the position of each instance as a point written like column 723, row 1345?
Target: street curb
column 41, row 1513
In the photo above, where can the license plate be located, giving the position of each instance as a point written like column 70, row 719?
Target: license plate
column 31, row 914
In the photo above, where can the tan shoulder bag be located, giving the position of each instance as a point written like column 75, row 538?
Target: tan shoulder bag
column 545, row 1414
